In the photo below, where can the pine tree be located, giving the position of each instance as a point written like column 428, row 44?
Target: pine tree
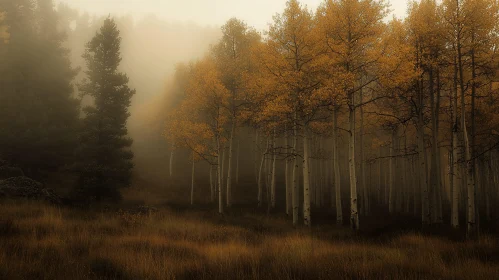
column 40, row 116
column 105, row 156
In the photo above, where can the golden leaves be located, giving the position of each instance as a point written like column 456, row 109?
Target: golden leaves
column 4, row 34
column 201, row 115
column 396, row 65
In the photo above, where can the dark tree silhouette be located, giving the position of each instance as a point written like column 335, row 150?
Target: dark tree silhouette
column 105, row 157
column 39, row 115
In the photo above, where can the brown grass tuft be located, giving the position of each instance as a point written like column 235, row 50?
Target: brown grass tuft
column 44, row 242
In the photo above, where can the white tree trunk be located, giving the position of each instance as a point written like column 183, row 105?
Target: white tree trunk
column 268, row 170
column 260, row 183
column 472, row 229
column 256, row 155
column 425, row 211
column 220, row 175
column 391, row 170
column 354, row 213
column 386, row 190
column 454, row 180
column 306, row 178
column 286, row 174
column 364, row 206
column 487, row 183
column 229, row 168
column 294, row 186
column 322, row 174
column 336, row 170
column 379, row 194
column 404, row 196
column 223, row 164
column 272, row 186
column 192, row 180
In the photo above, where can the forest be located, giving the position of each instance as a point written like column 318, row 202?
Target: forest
column 341, row 142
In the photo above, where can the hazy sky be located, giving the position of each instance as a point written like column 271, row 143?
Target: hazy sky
column 257, row 13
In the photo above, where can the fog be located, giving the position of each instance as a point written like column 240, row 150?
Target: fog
column 256, row 13
column 156, row 36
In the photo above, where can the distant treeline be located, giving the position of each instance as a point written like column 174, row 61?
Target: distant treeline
column 42, row 128
column 43, row 69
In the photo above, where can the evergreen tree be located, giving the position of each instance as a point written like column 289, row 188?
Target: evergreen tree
column 105, row 156
column 39, row 117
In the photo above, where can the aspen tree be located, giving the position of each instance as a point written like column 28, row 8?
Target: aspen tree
column 288, row 66
column 192, row 178
column 198, row 122
column 350, row 30
column 233, row 58
column 273, row 183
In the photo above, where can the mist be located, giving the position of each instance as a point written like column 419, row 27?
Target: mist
column 157, row 36
column 151, row 49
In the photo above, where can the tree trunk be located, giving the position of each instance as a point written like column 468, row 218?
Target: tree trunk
column 433, row 167
column 237, row 160
column 260, row 185
column 487, row 182
column 404, row 196
column 354, row 214
column 365, row 206
column 219, row 175
column 229, row 168
column 472, row 146
column 416, row 185
column 435, row 205
column 321, row 172
column 379, row 195
column 287, row 173
column 172, row 153
column 423, row 176
column 454, row 182
column 256, row 156
column 440, row 175
column 223, row 164
column 336, row 169
column 192, row 180
column 306, row 178
column 391, row 167
column 268, row 171
column 423, row 165
column 294, row 187
column 272, row 186
column 472, row 231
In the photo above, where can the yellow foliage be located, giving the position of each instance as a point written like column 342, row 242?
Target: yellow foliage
column 4, row 34
column 350, row 31
column 201, row 115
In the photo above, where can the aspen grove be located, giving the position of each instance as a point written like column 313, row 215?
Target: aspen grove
column 341, row 108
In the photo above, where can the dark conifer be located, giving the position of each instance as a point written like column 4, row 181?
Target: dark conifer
column 39, row 115
column 105, row 156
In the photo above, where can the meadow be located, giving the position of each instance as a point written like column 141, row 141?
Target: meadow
column 39, row 241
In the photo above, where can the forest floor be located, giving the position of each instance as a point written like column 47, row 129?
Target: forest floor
column 38, row 241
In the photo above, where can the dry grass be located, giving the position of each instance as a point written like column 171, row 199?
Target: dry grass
column 43, row 242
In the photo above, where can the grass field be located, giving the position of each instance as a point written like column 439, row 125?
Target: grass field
column 38, row 241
